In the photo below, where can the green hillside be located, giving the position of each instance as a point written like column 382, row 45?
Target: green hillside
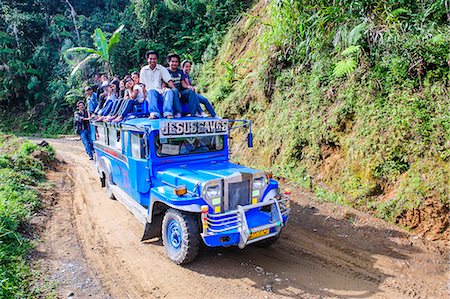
column 350, row 98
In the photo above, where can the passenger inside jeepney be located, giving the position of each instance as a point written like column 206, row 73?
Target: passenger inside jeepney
column 188, row 145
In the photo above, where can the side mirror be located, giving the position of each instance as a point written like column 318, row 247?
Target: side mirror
column 250, row 140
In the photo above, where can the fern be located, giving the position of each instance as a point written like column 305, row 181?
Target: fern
column 351, row 50
column 356, row 33
column 345, row 67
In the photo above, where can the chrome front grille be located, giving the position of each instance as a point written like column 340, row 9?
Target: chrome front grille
column 238, row 194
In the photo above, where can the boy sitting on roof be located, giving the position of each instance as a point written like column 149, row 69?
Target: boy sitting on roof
column 183, row 92
column 152, row 76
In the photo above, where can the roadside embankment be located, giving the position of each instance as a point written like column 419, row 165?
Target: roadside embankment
column 351, row 100
column 22, row 175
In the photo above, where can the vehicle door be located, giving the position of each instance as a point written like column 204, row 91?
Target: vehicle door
column 139, row 170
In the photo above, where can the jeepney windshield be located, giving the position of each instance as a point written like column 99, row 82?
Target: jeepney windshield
column 188, row 145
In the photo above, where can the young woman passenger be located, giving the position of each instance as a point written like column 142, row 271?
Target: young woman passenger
column 111, row 100
column 116, row 105
column 135, row 93
column 139, row 86
column 122, row 89
column 186, row 66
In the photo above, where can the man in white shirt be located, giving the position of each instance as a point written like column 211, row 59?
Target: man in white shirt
column 152, row 76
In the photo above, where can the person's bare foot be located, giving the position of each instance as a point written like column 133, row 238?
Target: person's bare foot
column 117, row 119
column 153, row 116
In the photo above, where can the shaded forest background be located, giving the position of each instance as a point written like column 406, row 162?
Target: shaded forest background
column 35, row 90
column 349, row 98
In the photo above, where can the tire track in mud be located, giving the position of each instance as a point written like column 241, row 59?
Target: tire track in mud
column 303, row 264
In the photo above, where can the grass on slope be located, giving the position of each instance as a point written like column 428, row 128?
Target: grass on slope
column 350, row 98
column 20, row 174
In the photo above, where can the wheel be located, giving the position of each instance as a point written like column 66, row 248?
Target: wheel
column 180, row 236
column 267, row 242
column 109, row 191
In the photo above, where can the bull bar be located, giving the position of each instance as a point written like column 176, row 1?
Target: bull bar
column 227, row 222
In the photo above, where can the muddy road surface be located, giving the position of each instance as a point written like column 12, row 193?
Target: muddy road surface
column 91, row 249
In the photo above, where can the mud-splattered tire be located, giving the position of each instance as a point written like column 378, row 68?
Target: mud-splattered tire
column 267, row 242
column 180, row 236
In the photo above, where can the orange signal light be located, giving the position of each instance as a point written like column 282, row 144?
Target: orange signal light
column 287, row 191
column 180, row 190
column 204, row 218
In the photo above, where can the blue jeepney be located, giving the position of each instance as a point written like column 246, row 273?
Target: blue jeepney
column 176, row 178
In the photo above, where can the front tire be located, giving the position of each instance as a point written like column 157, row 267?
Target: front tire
column 180, row 236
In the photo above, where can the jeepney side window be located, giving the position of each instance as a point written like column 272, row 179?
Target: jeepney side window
column 125, row 142
column 111, row 137
column 114, row 139
column 100, row 134
column 119, row 140
column 138, row 150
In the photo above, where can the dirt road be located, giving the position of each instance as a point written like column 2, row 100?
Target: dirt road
column 326, row 251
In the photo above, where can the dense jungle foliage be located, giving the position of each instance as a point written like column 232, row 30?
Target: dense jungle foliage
column 36, row 94
column 21, row 171
column 351, row 98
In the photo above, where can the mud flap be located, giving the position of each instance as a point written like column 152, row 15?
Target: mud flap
column 153, row 230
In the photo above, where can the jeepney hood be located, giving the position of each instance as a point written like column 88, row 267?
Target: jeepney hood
column 192, row 175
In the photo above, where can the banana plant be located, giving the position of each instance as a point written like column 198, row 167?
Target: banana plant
column 102, row 51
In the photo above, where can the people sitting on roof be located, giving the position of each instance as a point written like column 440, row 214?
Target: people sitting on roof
column 152, row 76
column 186, row 65
column 101, row 92
column 104, row 81
column 111, row 100
column 163, row 89
column 118, row 106
column 122, row 88
column 134, row 95
column 183, row 92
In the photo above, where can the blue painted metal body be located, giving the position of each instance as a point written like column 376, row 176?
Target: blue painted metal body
column 149, row 178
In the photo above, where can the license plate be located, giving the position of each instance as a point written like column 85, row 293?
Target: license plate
column 259, row 234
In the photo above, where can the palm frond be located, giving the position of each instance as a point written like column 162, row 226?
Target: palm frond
column 82, row 50
column 115, row 37
column 101, row 43
column 83, row 62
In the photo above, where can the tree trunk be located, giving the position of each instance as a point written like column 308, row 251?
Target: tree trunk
column 16, row 35
column 109, row 69
column 447, row 9
column 74, row 19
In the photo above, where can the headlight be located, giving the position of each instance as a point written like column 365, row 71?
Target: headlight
column 259, row 182
column 213, row 191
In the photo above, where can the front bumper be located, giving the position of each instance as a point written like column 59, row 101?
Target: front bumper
column 244, row 225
